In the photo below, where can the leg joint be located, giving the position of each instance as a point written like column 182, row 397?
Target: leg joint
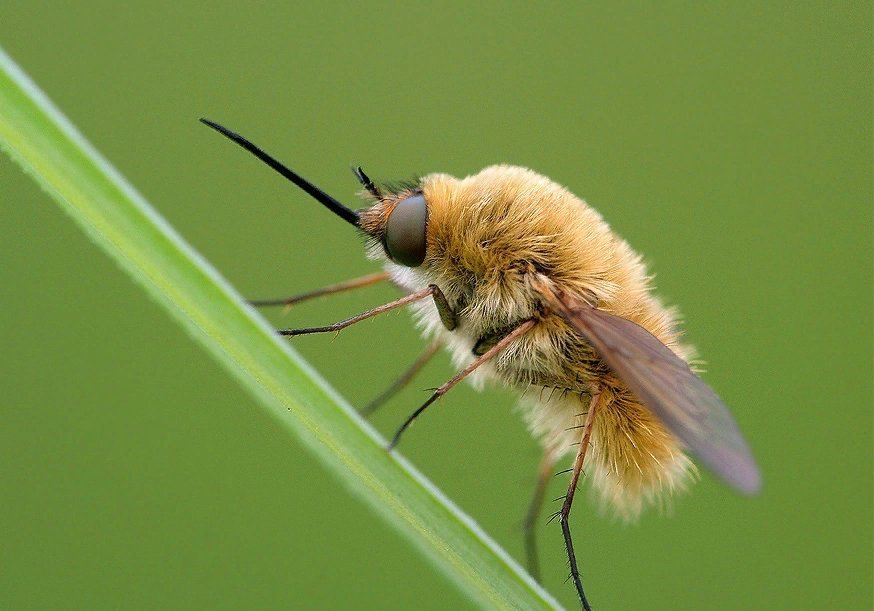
column 447, row 315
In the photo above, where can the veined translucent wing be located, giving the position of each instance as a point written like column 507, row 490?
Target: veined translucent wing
column 665, row 384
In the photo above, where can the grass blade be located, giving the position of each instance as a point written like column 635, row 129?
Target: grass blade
column 121, row 222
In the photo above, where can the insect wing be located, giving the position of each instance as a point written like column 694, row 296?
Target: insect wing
column 665, row 384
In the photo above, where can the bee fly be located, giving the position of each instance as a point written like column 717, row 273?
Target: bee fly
column 525, row 284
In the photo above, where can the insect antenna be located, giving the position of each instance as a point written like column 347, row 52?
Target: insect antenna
column 347, row 214
column 365, row 181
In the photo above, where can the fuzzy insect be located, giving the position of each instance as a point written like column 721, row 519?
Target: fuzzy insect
column 526, row 284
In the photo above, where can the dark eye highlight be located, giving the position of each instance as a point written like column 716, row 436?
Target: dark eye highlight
column 405, row 231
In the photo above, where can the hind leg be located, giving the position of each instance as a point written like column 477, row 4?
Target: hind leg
column 544, row 472
column 564, row 514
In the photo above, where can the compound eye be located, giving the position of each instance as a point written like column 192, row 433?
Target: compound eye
column 405, row 231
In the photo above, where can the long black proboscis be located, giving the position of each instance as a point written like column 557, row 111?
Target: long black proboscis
column 348, row 215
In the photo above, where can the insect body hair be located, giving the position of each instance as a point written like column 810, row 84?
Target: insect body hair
column 487, row 235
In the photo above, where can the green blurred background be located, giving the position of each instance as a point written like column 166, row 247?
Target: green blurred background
column 731, row 144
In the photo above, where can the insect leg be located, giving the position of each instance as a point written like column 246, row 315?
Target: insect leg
column 442, row 390
column 543, row 476
column 447, row 316
column 483, row 344
column 403, row 380
column 569, row 497
column 339, row 287
column 339, row 326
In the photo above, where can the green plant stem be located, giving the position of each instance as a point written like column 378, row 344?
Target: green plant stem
column 120, row 221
